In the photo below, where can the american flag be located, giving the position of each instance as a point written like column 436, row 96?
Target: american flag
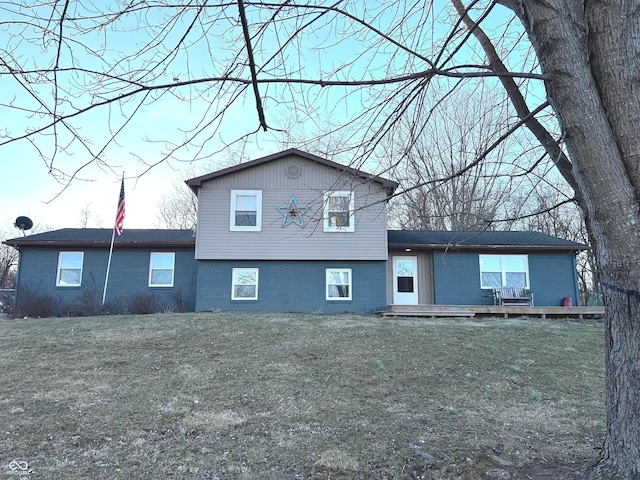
column 120, row 213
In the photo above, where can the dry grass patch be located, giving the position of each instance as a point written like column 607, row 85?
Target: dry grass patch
column 337, row 459
column 211, row 422
column 298, row 397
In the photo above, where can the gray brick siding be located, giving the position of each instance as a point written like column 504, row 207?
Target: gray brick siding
column 291, row 286
column 129, row 275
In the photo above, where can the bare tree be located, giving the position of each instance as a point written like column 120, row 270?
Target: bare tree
column 86, row 217
column 9, row 256
column 588, row 56
column 551, row 213
column 442, row 193
column 495, row 194
column 73, row 64
column 178, row 208
column 8, row 264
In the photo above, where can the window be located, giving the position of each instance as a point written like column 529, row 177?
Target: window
column 504, row 271
column 161, row 268
column 246, row 211
column 338, row 284
column 69, row 269
column 245, row 284
column 338, row 212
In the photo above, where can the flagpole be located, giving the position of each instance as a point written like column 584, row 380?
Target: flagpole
column 117, row 230
column 106, row 279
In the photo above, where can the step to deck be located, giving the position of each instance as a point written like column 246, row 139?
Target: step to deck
column 426, row 311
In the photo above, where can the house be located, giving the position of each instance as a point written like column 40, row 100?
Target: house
column 461, row 268
column 71, row 262
column 293, row 232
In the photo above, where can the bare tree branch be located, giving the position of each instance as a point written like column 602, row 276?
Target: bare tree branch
column 497, row 66
column 252, row 66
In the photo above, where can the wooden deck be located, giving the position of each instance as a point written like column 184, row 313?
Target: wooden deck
column 436, row 311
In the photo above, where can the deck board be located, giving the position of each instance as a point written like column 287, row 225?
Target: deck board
column 427, row 311
column 436, row 311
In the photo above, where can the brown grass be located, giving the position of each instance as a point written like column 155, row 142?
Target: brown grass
column 239, row 396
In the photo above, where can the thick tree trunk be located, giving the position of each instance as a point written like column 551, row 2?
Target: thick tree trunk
column 588, row 52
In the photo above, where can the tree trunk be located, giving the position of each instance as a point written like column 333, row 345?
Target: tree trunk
column 584, row 48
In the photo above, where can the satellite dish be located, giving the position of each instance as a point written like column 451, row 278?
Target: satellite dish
column 24, row 223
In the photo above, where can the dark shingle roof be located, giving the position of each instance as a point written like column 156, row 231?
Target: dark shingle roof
column 99, row 237
column 197, row 182
column 434, row 240
column 417, row 239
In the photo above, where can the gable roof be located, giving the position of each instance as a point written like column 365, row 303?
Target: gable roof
column 196, row 183
column 101, row 237
column 478, row 240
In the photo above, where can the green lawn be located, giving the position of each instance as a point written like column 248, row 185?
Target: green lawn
column 270, row 396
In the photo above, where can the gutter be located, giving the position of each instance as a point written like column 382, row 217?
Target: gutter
column 459, row 247
column 97, row 244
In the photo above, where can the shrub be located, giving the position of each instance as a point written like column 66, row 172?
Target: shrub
column 73, row 310
column 89, row 303
column 118, row 306
column 180, row 301
column 144, row 303
column 7, row 298
column 28, row 302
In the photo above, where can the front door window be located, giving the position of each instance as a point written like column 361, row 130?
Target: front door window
column 405, row 280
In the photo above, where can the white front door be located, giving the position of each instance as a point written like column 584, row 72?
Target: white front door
column 405, row 280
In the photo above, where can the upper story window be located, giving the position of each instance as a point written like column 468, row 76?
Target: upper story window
column 161, row 269
column 69, row 269
column 246, row 210
column 338, row 212
column 504, row 271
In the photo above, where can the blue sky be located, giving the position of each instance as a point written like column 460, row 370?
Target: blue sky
column 26, row 187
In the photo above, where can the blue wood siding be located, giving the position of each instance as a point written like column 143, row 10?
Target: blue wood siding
column 291, row 286
column 552, row 276
column 129, row 275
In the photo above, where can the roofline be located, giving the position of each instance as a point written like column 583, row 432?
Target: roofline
column 17, row 243
column 196, row 183
column 484, row 247
column 119, row 242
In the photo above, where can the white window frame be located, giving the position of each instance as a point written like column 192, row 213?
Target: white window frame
column 327, row 217
column 62, row 267
column 232, row 211
column 235, row 271
column 329, row 284
column 153, row 269
column 503, row 269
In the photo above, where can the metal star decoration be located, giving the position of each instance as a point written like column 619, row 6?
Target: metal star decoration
column 292, row 213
